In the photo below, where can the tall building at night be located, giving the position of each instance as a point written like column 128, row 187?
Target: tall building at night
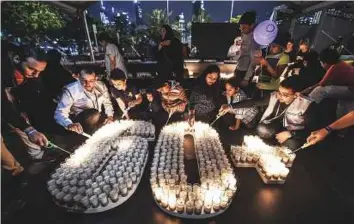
column 198, row 7
column 103, row 16
column 138, row 12
column 182, row 28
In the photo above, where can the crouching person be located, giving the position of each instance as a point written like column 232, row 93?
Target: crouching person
column 235, row 95
column 289, row 115
column 81, row 106
column 127, row 96
column 173, row 98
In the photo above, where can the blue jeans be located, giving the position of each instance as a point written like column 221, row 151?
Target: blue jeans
column 333, row 92
column 343, row 94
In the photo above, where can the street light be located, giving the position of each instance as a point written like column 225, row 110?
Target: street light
column 232, row 9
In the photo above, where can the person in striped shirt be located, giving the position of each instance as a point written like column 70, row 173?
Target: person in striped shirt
column 173, row 97
column 233, row 95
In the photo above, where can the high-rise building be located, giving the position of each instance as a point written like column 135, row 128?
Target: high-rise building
column 104, row 18
column 182, row 28
column 196, row 7
column 138, row 12
column 102, row 6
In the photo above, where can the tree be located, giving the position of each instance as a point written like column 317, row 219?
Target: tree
column 156, row 19
column 30, row 20
column 203, row 17
column 235, row 19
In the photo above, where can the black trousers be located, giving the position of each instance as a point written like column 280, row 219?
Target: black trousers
column 268, row 132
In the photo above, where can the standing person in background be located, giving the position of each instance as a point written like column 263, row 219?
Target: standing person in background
column 235, row 49
column 245, row 67
column 113, row 57
column 169, row 56
column 205, row 95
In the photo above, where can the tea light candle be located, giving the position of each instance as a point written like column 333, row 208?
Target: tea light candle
column 164, row 200
column 123, row 189
column 198, row 207
column 94, row 201
column 180, row 206
column 113, row 195
column 172, row 202
column 189, row 207
column 103, row 199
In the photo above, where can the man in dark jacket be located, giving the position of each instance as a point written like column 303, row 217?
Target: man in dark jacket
column 23, row 106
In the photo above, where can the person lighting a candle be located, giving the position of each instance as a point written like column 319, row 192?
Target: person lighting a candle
column 343, row 122
column 289, row 116
column 233, row 95
column 173, row 98
column 80, row 107
column 205, row 94
column 127, row 95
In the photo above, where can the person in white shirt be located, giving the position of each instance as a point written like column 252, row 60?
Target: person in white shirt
column 113, row 58
column 235, row 49
column 249, row 48
column 81, row 104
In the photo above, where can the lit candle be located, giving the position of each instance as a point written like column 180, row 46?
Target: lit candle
column 189, row 207
column 172, row 202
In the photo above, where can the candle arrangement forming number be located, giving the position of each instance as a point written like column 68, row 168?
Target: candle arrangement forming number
column 270, row 162
column 104, row 172
column 168, row 179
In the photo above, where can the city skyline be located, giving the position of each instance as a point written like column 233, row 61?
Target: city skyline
column 219, row 11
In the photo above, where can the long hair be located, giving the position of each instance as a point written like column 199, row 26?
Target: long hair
column 169, row 32
column 212, row 91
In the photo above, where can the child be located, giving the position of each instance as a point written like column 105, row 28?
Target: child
column 234, row 95
column 127, row 96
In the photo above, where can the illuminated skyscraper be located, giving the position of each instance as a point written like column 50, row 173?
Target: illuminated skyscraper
column 138, row 12
column 182, row 28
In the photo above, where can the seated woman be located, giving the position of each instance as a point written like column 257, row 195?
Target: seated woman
column 234, row 95
column 205, row 94
column 128, row 97
column 289, row 116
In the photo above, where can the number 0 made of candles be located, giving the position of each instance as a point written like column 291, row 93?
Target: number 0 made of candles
column 105, row 171
column 172, row 189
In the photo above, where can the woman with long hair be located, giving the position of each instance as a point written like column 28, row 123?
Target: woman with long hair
column 169, row 55
column 206, row 93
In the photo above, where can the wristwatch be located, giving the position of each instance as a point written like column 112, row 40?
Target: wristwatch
column 329, row 129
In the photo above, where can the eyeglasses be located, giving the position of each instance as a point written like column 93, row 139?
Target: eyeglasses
column 285, row 95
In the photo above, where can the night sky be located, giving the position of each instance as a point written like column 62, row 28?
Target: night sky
column 218, row 10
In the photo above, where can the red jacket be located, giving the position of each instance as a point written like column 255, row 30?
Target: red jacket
column 340, row 74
